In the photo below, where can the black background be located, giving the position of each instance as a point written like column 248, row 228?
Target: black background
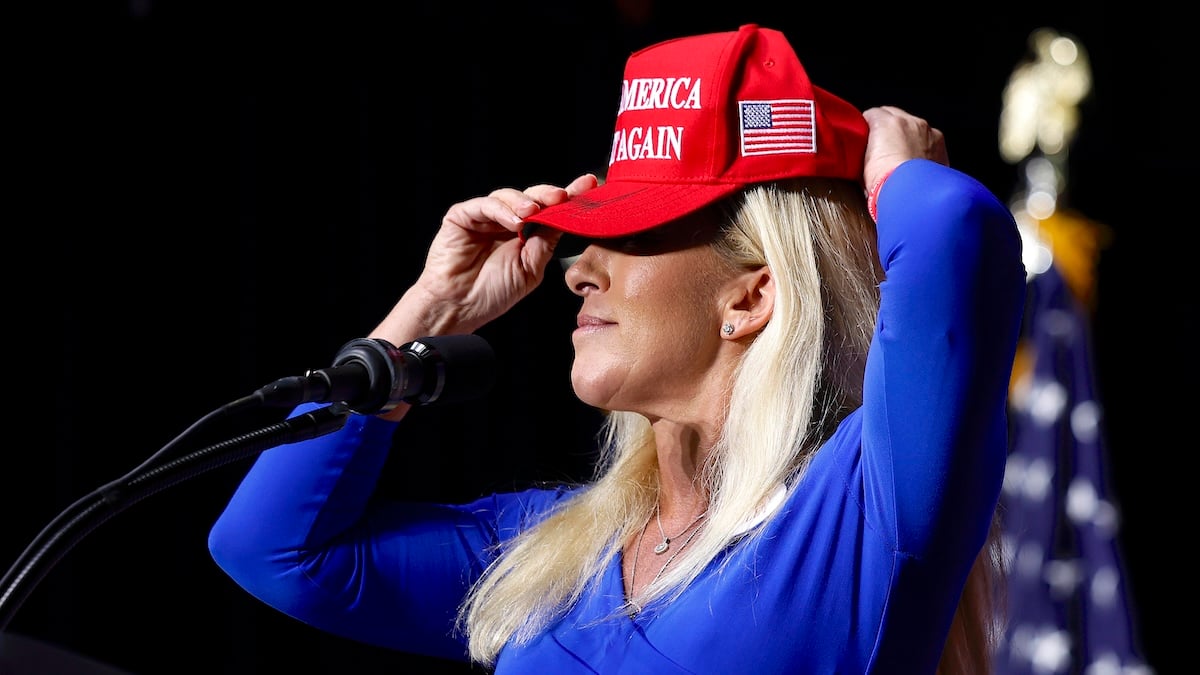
column 221, row 194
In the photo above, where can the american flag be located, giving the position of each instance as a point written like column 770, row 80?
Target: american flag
column 1069, row 608
column 783, row 126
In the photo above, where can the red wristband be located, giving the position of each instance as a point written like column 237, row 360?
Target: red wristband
column 873, row 195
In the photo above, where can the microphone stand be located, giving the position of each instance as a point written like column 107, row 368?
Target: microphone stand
column 86, row 514
column 368, row 375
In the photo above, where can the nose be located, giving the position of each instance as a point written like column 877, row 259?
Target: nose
column 585, row 271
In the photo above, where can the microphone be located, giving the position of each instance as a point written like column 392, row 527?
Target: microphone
column 370, row 375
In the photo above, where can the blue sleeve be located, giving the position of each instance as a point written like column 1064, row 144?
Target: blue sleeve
column 303, row 534
column 934, row 425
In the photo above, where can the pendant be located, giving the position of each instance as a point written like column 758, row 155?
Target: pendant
column 662, row 547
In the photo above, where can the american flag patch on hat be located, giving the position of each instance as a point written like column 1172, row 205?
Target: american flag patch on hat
column 783, row 126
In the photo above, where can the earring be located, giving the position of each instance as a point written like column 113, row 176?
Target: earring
column 727, row 328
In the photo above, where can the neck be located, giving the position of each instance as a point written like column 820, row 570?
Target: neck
column 682, row 451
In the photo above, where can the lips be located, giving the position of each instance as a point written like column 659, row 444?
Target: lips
column 589, row 321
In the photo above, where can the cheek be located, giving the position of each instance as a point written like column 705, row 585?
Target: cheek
column 672, row 324
column 672, row 295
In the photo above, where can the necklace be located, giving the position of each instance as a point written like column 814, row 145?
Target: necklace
column 662, row 546
column 637, row 554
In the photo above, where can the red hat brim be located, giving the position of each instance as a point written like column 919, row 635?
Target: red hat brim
column 622, row 208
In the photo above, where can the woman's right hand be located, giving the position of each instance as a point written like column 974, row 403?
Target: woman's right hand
column 478, row 267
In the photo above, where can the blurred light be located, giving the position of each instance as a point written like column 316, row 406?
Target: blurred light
column 1041, row 203
column 1042, row 97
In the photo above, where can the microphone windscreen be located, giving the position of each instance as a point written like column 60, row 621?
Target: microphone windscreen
column 456, row 367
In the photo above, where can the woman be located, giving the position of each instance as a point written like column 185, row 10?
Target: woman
column 806, row 430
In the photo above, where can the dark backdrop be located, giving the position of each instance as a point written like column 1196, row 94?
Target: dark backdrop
column 222, row 194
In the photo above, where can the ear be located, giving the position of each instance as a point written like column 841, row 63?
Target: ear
column 749, row 303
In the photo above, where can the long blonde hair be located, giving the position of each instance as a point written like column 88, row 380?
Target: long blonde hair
column 800, row 377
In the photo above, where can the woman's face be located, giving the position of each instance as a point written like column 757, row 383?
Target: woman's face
column 648, row 329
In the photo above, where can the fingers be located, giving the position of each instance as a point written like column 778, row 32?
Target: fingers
column 582, row 184
column 501, row 210
column 505, row 209
column 895, row 136
column 549, row 195
column 904, row 132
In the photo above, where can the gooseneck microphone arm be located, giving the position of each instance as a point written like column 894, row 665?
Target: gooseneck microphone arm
column 368, row 376
column 98, row 506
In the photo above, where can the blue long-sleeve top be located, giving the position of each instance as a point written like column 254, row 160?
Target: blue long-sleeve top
column 860, row 570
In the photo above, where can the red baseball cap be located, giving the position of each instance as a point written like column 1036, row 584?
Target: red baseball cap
column 701, row 117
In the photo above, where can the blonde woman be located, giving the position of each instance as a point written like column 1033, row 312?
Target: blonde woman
column 806, row 429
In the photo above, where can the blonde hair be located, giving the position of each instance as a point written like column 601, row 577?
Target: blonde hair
column 800, row 377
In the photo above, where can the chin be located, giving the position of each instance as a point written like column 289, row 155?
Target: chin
column 592, row 386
